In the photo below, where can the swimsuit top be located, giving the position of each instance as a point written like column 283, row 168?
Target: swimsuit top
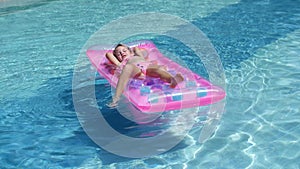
column 125, row 60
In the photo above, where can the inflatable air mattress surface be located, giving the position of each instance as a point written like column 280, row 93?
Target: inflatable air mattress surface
column 152, row 94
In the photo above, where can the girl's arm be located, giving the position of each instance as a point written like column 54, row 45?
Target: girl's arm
column 140, row 52
column 112, row 59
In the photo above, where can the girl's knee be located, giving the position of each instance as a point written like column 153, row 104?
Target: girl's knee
column 162, row 68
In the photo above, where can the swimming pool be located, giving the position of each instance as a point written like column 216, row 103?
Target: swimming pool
column 258, row 43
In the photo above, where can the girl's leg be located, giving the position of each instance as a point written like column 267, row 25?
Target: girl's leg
column 128, row 72
column 159, row 71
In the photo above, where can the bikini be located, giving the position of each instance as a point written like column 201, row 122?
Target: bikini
column 143, row 65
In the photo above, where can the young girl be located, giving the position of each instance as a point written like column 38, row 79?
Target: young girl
column 133, row 64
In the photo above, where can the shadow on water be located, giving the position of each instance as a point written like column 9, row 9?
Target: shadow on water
column 238, row 30
column 46, row 123
column 121, row 124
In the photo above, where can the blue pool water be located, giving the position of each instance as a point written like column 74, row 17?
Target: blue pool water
column 257, row 41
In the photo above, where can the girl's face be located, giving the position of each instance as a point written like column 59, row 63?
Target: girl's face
column 122, row 52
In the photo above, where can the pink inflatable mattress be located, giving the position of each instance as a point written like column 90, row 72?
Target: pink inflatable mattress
column 152, row 94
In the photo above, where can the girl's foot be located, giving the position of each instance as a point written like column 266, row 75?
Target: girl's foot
column 176, row 79
column 113, row 103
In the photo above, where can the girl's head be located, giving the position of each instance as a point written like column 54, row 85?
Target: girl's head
column 121, row 51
